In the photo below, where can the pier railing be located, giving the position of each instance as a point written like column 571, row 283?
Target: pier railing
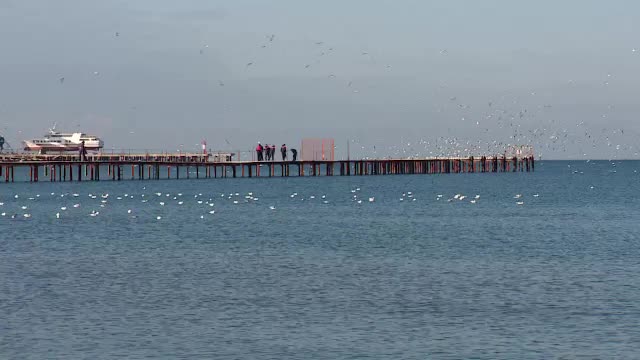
column 175, row 166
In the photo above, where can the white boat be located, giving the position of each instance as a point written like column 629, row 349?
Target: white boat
column 56, row 141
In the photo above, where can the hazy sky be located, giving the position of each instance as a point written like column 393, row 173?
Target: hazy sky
column 397, row 75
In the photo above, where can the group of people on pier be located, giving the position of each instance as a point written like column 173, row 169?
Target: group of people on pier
column 268, row 152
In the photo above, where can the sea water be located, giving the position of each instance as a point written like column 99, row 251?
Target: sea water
column 540, row 265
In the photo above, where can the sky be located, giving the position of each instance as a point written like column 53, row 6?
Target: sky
column 408, row 78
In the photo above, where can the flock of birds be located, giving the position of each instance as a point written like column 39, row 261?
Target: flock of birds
column 497, row 123
column 136, row 205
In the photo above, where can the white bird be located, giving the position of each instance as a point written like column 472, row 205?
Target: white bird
column 235, row 201
column 161, row 203
column 3, row 214
column 27, row 215
column 359, row 201
column 57, row 215
column 536, row 195
column 24, row 208
column 372, row 199
column 457, row 196
column 272, row 207
column 158, row 217
column 129, row 211
column 212, row 212
column 518, row 196
column 180, row 202
column 520, row 203
column 76, row 205
column 63, row 208
column 477, row 197
column 472, row 201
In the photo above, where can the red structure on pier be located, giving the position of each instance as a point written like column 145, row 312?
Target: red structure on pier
column 314, row 149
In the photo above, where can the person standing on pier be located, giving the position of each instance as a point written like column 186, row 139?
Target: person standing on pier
column 273, row 152
column 294, row 154
column 83, row 152
column 283, row 151
column 267, row 151
column 259, row 151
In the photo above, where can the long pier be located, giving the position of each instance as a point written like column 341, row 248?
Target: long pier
column 186, row 166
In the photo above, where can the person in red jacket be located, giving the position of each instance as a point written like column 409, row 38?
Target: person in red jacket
column 259, row 149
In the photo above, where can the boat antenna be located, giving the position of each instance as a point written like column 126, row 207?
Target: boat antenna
column 53, row 129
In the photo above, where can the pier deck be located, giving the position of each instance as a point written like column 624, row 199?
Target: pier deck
column 61, row 168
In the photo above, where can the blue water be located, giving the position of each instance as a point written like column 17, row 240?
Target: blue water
column 555, row 277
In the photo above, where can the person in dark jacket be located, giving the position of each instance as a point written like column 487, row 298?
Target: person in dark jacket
column 294, row 154
column 83, row 152
column 283, row 151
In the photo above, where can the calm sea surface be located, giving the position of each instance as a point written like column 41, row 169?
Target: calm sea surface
column 424, row 277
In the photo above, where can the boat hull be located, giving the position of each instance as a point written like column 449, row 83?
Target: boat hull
column 28, row 146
